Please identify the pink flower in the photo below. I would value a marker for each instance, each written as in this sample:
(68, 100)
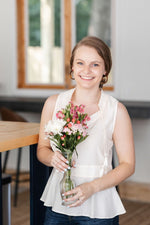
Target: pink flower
(77, 108)
(84, 133)
(75, 115)
(88, 118)
(77, 127)
(60, 115)
(71, 111)
(81, 108)
(68, 119)
(69, 125)
(67, 130)
(73, 120)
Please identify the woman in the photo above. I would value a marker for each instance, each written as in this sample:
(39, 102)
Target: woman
(95, 198)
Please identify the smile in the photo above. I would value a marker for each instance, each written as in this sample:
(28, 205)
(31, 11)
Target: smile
(87, 77)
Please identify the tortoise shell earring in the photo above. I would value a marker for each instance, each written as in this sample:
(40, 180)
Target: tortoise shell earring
(72, 75)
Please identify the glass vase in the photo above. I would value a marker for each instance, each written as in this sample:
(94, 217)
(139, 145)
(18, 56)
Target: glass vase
(67, 183)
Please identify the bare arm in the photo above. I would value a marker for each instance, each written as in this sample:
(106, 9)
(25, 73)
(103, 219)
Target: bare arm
(44, 150)
(123, 140)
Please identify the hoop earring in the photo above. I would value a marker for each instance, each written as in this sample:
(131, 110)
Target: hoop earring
(104, 78)
(72, 75)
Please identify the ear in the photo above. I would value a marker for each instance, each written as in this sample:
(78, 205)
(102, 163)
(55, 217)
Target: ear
(105, 72)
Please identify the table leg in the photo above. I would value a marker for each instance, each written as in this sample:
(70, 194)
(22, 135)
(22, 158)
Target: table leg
(38, 178)
(1, 214)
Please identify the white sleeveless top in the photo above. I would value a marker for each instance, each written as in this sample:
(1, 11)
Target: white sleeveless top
(93, 161)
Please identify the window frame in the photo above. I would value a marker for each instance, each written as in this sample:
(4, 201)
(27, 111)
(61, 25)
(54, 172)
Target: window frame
(21, 49)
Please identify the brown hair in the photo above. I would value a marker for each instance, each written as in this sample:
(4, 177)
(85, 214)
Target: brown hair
(101, 48)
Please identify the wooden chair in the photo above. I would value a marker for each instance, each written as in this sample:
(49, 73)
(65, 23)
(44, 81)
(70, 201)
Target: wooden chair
(9, 115)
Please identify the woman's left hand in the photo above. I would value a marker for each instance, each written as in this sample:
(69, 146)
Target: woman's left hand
(80, 194)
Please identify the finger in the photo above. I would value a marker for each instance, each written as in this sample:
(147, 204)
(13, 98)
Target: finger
(71, 192)
(71, 198)
(58, 163)
(61, 157)
(62, 167)
(77, 203)
(74, 164)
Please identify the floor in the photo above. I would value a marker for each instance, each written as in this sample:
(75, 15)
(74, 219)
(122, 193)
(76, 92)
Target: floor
(138, 213)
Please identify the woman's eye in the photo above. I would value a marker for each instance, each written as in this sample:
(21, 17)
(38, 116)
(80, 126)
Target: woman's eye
(79, 63)
(95, 64)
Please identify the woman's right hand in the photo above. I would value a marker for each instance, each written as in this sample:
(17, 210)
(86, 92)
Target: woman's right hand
(59, 162)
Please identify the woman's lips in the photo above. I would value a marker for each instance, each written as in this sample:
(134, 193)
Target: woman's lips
(86, 77)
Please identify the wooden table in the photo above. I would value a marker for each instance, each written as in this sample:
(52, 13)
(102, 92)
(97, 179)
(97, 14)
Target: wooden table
(19, 134)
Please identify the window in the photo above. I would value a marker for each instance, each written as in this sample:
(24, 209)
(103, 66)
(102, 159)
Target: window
(47, 30)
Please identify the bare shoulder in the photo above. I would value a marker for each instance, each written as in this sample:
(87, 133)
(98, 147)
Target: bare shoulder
(51, 100)
(49, 106)
(122, 111)
(122, 118)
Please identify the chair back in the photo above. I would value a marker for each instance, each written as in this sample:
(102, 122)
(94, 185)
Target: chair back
(9, 115)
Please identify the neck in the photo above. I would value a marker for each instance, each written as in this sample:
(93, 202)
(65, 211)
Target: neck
(85, 96)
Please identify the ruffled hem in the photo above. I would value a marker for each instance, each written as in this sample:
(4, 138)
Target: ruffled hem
(104, 204)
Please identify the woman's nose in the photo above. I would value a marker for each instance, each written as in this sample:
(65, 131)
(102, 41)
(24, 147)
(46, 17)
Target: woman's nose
(87, 69)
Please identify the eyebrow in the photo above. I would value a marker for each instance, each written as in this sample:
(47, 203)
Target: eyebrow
(91, 62)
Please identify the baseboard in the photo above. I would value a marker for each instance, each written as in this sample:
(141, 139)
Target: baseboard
(135, 191)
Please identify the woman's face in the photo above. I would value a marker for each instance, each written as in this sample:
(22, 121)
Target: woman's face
(88, 67)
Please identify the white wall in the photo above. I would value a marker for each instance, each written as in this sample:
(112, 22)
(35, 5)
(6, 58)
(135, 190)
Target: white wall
(142, 149)
(133, 49)
(141, 130)
(7, 26)
(131, 52)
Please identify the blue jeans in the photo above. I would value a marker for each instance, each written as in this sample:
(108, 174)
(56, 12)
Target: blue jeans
(53, 218)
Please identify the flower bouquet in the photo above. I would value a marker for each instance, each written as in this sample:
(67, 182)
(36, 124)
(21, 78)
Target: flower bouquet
(66, 132)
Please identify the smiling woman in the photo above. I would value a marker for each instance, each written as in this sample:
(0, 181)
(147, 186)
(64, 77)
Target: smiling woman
(93, 175)
(46, 32)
